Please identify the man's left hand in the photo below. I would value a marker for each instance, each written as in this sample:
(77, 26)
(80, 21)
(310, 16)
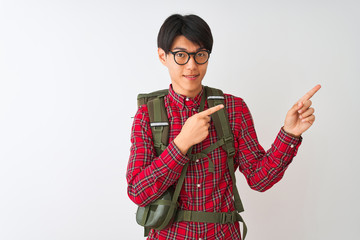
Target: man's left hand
(301, 116)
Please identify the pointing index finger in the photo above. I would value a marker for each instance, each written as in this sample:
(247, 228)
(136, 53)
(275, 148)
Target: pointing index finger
(212, 110)
(310, 93)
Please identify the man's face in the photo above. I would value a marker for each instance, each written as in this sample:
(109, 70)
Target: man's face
(186, 79)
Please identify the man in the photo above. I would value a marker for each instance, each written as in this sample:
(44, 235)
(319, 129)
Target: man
(184, 47)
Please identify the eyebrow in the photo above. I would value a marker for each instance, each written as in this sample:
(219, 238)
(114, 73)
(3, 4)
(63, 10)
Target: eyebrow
(184, 49)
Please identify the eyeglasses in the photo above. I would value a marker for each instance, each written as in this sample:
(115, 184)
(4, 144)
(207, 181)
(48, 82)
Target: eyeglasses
(182, 57)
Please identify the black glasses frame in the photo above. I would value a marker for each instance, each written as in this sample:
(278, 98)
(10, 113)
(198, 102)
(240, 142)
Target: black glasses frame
(189, 55)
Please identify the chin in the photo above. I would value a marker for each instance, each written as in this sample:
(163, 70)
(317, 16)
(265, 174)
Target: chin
(193, 88)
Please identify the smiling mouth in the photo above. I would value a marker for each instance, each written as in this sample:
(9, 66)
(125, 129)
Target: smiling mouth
(191, 77)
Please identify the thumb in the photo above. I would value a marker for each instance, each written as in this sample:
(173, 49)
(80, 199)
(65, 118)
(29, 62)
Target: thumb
(296, 107)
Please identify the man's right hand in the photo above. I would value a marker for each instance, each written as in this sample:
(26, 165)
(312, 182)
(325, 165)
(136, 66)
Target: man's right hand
(195, 129)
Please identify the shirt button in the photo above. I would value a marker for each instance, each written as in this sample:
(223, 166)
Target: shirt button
(292, 146)
(187, 99)
(197, 160)
(198, 185)
(200, 239)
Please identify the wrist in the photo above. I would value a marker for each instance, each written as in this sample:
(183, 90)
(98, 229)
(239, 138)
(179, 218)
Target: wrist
(181, 144)
(296, 135)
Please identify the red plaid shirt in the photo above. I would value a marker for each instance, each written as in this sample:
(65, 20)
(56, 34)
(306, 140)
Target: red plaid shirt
(148, 176)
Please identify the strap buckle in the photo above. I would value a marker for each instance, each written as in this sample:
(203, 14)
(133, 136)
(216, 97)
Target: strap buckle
(228, 139)
(226, 218)
(231, 152)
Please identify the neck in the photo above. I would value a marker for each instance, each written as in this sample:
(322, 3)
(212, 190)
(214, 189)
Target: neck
(187, 93)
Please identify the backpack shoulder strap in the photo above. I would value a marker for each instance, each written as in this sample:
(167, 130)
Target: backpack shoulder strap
(159, 122)
(223, 130)
(221, 122)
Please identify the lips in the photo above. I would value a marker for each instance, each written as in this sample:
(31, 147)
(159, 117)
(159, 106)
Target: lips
(191, 77)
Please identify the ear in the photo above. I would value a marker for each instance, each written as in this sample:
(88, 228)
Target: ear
(162, 56)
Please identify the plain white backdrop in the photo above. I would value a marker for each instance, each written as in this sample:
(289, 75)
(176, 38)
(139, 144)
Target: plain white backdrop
(69, 75)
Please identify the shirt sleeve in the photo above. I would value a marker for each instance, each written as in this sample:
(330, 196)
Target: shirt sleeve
(148, 176)
(263, 169)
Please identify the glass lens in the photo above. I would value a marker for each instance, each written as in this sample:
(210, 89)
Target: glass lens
(201, 57)
(181, 57)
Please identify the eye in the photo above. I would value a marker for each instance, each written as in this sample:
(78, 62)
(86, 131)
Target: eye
(180, 54)
(202, 54)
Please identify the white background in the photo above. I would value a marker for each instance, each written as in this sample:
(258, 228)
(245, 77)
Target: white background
(69, 75)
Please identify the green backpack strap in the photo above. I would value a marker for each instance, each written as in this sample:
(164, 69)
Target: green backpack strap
(159, 122)
(223, 130)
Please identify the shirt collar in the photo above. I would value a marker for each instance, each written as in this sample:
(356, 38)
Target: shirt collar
(182, 101)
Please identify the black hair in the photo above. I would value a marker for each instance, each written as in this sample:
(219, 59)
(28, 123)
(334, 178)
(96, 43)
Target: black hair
(191, 26)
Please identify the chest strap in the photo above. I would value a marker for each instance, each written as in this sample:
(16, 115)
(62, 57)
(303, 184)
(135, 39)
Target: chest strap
(208, 217)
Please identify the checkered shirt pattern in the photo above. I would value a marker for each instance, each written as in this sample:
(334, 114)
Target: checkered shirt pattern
(148, 176)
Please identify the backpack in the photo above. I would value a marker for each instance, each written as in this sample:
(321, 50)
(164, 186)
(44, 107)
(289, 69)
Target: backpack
(162, 212)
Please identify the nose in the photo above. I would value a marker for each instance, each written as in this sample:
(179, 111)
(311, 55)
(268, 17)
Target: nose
(191, 64)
